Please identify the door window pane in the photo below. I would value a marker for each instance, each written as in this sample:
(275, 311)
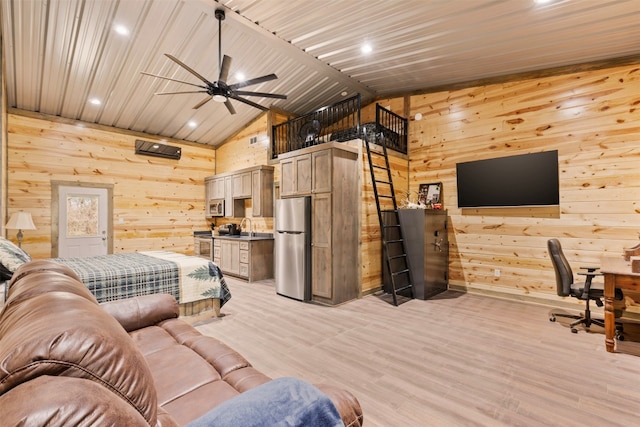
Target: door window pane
(82, 216)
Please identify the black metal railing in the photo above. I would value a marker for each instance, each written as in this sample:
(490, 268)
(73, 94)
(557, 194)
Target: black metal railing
(315, 128)
(339, 122)
(393, 128)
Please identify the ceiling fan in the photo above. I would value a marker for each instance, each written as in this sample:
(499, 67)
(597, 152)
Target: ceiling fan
(219, 90)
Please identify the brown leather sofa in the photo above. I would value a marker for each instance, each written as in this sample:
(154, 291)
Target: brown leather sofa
(66, 360)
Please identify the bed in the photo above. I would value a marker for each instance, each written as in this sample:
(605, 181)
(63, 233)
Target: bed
(196, 283)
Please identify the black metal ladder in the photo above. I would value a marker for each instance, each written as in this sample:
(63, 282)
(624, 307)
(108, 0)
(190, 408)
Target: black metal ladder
(393, 245)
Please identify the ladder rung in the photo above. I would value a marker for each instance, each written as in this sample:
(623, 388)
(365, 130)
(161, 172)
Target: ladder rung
(403, 288)
(395, 241)
(381, 167)
(398, 256)
(397, 273)
(392, 225)
(385, 196)
(383, 182)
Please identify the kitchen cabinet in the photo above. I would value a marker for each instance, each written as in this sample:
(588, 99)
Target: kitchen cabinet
(321, 177)
(295, 176)
(229, 260)
(214, 190)
(250, 259)
(242, 185)
(255, 183)
(232, 207)
(331, 177)
(321, 245)
(262, 192)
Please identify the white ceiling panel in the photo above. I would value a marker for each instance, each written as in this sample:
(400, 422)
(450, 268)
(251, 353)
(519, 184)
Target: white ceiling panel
(60, 54)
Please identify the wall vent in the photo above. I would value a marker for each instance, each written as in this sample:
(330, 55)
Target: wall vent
(157, 150)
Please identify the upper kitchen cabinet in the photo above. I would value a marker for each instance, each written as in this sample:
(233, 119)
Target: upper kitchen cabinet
(214, 194)
(242, 185)
(255, 183)
(305, 174)
(262, 192)
(295, 174)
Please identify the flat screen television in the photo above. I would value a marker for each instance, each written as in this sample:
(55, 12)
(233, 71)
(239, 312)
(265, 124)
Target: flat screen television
(522, 180)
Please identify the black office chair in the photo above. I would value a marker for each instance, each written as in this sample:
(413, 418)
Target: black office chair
(587, 291)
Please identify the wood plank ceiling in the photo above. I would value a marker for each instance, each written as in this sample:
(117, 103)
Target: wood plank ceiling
(61, 54)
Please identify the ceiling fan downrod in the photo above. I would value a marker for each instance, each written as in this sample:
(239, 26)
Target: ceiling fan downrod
(219, 14)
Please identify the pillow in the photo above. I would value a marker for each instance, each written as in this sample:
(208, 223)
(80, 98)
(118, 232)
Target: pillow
(11, 257)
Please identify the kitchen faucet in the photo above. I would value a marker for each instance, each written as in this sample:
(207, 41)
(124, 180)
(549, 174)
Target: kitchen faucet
(250, 225)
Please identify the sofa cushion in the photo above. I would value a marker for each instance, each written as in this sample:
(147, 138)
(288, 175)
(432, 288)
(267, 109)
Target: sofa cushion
(209, 372)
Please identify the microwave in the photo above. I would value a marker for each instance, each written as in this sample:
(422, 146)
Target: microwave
(216, 207)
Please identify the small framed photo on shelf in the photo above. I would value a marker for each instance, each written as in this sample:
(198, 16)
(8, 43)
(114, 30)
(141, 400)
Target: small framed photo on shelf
(430, 195)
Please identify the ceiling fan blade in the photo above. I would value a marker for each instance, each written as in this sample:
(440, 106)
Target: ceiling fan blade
(201, 103)
(253, 81)
(224, 69)
(229, 106)
(181, 92)
(253, 104)
(173, 80)
(186, 67)
(262, 94)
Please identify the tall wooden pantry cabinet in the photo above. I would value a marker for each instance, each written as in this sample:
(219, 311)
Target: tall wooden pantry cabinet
(329, 174)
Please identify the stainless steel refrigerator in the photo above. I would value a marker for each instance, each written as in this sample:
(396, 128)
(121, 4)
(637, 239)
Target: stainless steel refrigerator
(293, 248)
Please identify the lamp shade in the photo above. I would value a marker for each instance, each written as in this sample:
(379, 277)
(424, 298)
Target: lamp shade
(21, 221)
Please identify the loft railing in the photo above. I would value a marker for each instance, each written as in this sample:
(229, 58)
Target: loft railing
(339, 122)
(393, 128)
(317, 127)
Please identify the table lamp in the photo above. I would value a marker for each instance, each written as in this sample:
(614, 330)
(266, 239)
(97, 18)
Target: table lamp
(20, 221)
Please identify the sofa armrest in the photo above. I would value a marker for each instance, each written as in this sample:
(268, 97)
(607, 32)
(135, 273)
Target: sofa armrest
(346, 403)
(140, 312)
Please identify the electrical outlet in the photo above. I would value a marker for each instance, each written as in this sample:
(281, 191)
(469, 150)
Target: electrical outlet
(496, 272)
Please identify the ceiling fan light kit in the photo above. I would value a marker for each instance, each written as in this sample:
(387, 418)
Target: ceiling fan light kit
(219, 91)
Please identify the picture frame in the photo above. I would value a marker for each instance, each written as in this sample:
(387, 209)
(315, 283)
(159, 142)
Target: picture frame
(430, 194)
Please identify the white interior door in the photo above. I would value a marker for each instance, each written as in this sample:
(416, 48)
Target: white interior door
(83, 222)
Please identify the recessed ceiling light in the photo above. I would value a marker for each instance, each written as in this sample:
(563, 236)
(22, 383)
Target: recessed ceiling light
(192, 124)
(121, 29)
(366, 48)
(344, 93)
(240, 77)
(95, 101)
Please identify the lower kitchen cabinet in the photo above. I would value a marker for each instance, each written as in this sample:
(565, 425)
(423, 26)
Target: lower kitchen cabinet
(248, 259)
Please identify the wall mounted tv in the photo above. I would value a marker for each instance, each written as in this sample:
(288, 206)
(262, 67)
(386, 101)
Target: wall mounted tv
(523, 180)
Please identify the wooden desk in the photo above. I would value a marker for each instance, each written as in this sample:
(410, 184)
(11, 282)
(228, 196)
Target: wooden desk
(617, 274)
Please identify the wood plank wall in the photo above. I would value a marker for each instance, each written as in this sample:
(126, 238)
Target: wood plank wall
(158, 203)
(593, 120)
(590, 117)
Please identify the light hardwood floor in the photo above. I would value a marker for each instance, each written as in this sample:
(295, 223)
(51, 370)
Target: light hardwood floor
(455, 360)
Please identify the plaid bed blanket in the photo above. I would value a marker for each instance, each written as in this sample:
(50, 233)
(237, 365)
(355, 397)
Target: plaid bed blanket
(119, 276)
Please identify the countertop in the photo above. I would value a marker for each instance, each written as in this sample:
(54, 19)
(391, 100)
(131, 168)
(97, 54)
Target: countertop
(245, 236)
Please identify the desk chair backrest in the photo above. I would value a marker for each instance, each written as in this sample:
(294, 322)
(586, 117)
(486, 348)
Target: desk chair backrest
(564, 275)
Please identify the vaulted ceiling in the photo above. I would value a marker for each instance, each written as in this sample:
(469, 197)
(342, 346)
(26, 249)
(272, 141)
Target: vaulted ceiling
(82, 59)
